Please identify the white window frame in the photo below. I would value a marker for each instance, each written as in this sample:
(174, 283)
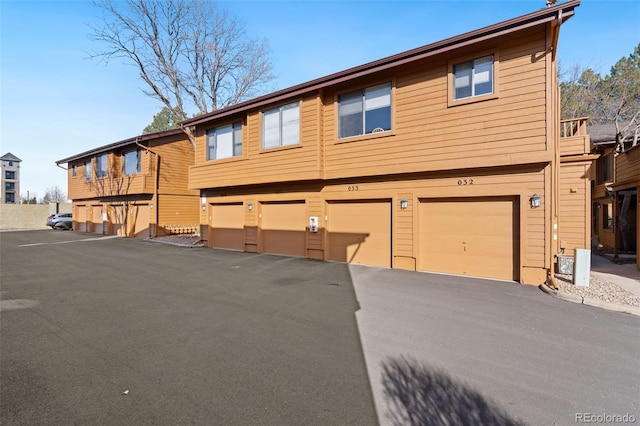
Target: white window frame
(473, 73)
(363, 101)
(101, 166)
(224, 142)
(125, 170)
(87, 171)
(281, 126)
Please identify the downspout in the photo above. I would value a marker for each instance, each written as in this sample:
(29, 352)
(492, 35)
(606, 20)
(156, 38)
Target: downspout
(156, 183)
(555, 180)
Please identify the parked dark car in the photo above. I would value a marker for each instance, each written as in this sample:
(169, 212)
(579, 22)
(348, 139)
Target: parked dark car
(60, 221)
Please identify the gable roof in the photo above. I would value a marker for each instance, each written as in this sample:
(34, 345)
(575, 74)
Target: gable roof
(9, 157)
(561, 12)
(120, 144)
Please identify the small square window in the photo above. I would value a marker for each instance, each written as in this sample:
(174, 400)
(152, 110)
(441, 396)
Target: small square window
(224, 142)
(473, 78)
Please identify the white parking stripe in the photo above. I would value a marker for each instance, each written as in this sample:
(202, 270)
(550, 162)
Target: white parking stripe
(74, 241)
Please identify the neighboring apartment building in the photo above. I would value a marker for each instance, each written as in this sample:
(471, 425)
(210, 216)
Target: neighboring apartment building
(616, 181)
(136, 187)
(446, 158)
(10, 179)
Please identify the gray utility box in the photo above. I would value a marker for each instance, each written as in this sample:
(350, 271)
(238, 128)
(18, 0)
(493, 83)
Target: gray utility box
(582, 268)
(564, 264)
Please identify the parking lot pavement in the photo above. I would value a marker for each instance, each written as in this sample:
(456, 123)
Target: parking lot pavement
(449, 350)
(122, 331)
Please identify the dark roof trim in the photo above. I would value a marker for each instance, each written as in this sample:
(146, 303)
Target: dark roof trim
(122, 143)
(562, 11)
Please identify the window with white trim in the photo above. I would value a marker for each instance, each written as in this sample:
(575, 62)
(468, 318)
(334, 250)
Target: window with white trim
(281, 126)
(365, 111)
(101, 166)
(224, 142)
(131, 164)
(87, 171)
(473, 78)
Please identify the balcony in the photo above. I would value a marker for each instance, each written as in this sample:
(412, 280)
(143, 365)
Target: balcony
(574, 139)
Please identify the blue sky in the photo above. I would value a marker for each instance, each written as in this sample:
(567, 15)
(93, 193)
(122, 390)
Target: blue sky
(55, 103)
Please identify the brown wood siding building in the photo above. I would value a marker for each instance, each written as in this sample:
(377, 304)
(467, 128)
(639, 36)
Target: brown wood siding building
(616, 180)
(445, 183)
(627, 188)
(146, 197)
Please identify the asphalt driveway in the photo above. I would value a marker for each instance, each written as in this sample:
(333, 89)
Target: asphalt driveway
(99, 330)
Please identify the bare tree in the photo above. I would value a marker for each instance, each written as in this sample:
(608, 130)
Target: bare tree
(54, 195)
(614, 98)
(191, 54)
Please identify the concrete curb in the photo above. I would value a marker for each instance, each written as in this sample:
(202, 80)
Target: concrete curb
(590, 301)
(153, 240)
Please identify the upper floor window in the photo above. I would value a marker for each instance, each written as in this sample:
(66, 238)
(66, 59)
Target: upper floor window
(10, 186)
(131, 164)
(365, 111)
(604, 169)
(101, 165)
(73, 170)
(473, 78)
(87, 171)
(224, 142)
(281, 126)
(9, 175)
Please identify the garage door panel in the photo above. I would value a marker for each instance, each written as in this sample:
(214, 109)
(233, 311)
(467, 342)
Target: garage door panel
(476, 237)
(284, 228)
(97, 219)
(119, 220)
(227, 226)
(81, 219)
(360, 232)
(140, 216)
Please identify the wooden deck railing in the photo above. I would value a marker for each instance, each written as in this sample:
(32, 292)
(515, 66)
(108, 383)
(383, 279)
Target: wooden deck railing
(573, 127)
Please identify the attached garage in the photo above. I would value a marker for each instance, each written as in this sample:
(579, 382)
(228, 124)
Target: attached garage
(81, 218)
(96, 219)
(118, 219)
(359, 231)
(470, 236)
(227, 226)
(139, 218)
(284, 228)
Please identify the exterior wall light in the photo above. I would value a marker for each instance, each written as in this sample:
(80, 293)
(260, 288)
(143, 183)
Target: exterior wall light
(404, 203)
(535, 201)
(249, 206)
